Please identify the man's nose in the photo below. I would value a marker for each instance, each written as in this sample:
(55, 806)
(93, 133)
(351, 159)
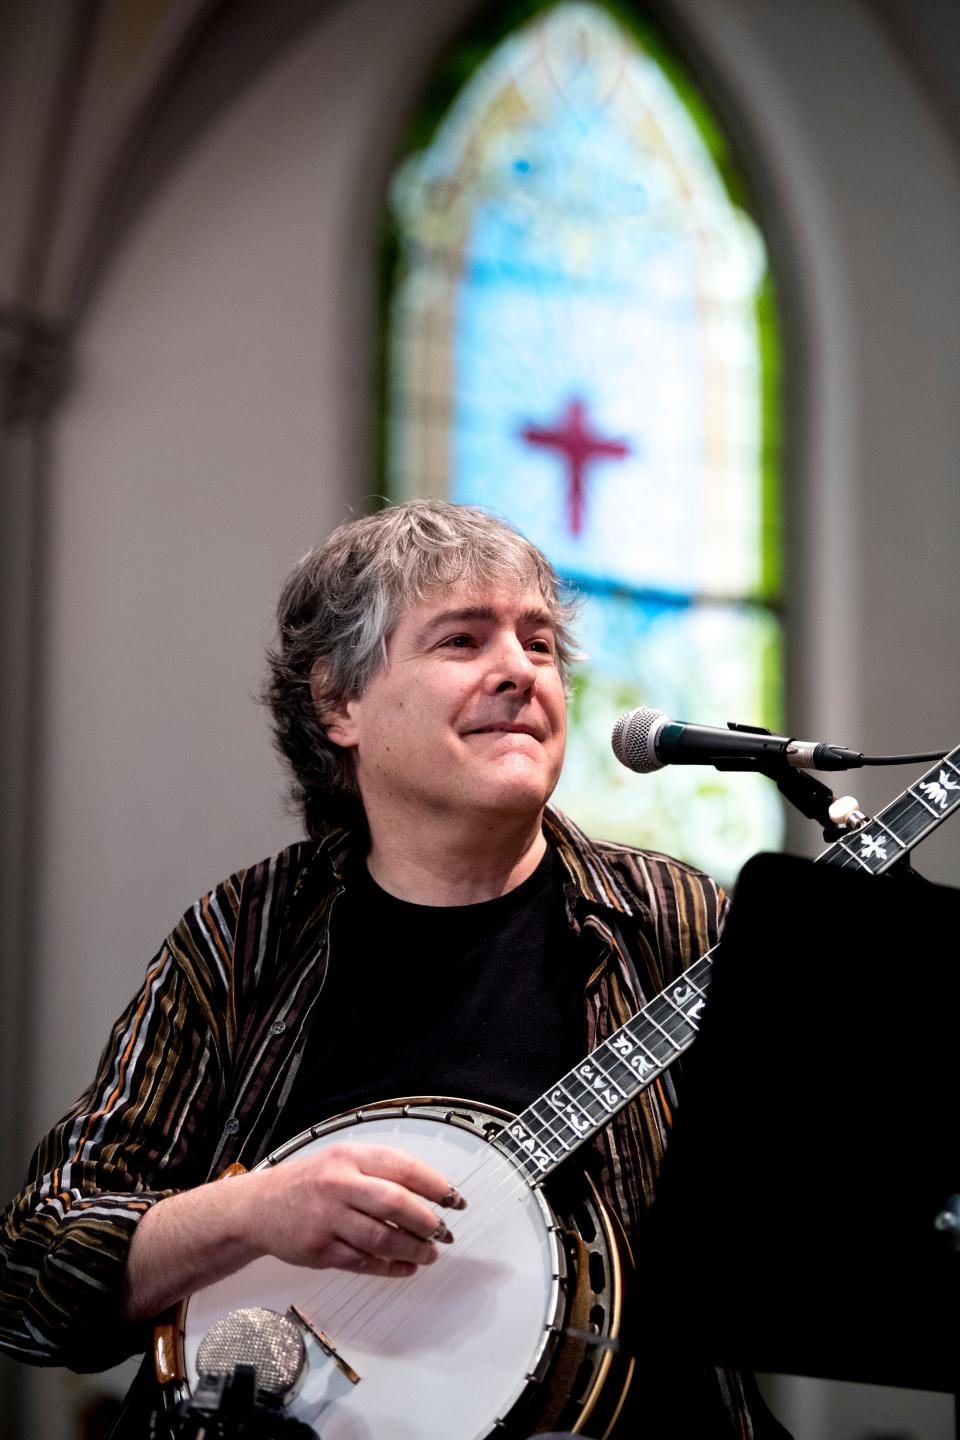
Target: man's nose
(511, 667)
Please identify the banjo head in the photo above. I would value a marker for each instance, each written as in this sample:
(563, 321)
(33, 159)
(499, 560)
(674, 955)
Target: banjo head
(461, 1349)
(465, 1347)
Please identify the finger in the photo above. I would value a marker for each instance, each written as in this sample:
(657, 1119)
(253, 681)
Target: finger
(407, 1170)
(385, 1242)
(385, 1200)
(343, 1256)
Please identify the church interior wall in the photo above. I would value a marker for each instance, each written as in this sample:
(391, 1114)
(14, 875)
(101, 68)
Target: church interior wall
(219, 421)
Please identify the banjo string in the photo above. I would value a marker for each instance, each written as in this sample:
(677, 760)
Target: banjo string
(507, 1184)
(371, 1287)
(395, 1296)
(508, 1180)
(485, 1161)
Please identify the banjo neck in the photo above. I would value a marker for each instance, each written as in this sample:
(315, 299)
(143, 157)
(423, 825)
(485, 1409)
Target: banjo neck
(581, 1102)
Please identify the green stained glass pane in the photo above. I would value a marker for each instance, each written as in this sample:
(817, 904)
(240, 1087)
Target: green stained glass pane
(702, 663)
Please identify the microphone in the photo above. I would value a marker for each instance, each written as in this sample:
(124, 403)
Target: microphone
(646, 740)
(250, 1365)
(265, 1339)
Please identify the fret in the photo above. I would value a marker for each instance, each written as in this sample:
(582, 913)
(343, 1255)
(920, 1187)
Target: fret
(534, 1157)
(700, 971)
(656, 1044)
(601, 1084)
(662, 1017)
(836, 855)
(873, 855)
(688, 1000)
(650, 1036)
(890, 831)
(907, 817)
(941, 790)
(615, 1065)
(683, 1028)
(586, 1098)
(549, 1124)
(948, 761)
(689, 978)
(543, 1134)
(871, 849)
(644, 1064)
(633, 1059)
(572, 1114)
(920, 800)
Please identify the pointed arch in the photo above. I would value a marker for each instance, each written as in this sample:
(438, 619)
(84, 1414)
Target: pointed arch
(581, 335)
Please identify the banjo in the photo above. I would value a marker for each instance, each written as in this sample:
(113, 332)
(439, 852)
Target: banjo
(516, 1329)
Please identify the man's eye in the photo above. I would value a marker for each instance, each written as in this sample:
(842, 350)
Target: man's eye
(459, 642)
(542, 647)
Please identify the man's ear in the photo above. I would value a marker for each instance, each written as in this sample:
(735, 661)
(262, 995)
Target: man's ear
(339, 721)
(341, 726)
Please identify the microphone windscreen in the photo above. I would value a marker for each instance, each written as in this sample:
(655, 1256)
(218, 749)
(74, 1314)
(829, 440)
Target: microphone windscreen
(268, 1341)
(633, 739)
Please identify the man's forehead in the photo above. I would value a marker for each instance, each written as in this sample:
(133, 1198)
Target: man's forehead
(520, 607)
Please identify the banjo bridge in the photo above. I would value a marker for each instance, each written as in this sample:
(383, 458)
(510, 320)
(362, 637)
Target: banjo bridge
(325, 1343)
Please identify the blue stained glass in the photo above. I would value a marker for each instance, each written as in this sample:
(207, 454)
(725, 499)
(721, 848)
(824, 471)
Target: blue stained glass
(520, 362)
(575, 345)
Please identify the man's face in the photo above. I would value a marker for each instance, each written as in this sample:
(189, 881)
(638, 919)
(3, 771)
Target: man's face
(467, 715)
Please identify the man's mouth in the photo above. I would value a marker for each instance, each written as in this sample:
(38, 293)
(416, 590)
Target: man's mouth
(505, 729)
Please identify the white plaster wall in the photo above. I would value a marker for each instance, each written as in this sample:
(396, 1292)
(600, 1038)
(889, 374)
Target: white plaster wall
(865, 182)
(220, 423)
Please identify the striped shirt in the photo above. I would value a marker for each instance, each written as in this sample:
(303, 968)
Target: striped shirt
(196, 1071)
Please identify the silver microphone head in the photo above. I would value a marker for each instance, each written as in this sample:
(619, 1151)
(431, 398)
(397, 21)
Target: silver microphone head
(634, 739)
(268, 1341)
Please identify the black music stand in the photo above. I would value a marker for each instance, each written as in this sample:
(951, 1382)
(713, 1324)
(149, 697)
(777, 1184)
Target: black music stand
(814, 1172)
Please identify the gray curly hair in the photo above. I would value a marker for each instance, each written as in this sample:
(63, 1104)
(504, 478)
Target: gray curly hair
(343, 601)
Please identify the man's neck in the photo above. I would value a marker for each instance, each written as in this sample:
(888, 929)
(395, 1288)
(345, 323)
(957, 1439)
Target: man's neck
(456, 865)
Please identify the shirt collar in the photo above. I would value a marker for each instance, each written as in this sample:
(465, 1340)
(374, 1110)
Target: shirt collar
(588, 876)
(328, 854)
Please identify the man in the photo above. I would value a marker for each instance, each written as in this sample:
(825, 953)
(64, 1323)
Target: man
(475, 939)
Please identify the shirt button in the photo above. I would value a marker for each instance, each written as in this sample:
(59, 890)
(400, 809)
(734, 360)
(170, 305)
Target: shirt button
(232, 1126)
(278, 1027)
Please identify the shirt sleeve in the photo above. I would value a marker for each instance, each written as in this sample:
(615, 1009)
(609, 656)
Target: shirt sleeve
(139, 1133)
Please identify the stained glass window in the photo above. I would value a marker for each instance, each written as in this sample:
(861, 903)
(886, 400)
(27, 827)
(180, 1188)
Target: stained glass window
(580, 336)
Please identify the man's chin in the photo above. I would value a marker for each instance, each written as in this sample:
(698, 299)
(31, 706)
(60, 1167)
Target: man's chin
(516, 790)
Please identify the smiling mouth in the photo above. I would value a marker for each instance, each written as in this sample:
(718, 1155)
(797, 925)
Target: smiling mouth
(505, 730)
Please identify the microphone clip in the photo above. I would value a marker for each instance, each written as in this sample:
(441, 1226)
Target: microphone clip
(229, 1407)
(811, 797)
(767, 766)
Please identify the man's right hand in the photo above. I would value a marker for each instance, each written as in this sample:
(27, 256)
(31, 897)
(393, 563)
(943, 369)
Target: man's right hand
(350, 1207)
(356, 1207)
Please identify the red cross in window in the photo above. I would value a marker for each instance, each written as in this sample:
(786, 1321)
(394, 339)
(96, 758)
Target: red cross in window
(575, 440)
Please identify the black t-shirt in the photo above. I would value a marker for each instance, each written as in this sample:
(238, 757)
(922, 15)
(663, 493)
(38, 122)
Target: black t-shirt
(480, 1002)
